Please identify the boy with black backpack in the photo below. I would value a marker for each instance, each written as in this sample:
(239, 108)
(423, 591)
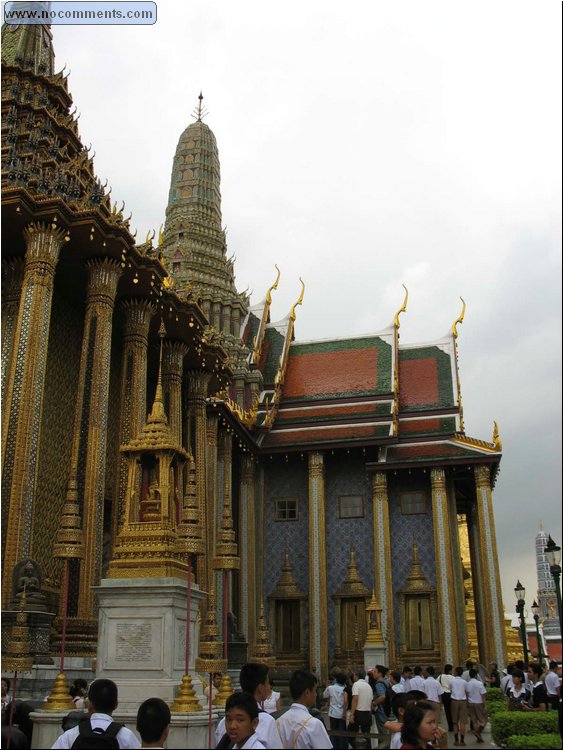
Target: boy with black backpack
(97, 729)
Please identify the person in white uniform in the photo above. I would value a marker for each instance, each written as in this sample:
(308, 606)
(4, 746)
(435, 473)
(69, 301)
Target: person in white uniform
(254, 678)
(102, 702)
(297, 728)
(241, 721)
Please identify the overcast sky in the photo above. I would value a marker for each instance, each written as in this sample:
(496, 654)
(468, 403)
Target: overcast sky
(364, 145)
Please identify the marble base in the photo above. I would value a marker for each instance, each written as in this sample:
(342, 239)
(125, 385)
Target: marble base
(186, 730)
(375, 654)
(142, 634)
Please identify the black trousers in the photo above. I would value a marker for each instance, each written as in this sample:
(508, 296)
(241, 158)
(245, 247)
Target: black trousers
(362, 723)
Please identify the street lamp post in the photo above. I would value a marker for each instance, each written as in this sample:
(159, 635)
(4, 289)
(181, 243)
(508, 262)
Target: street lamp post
(520, 593)
(536, 611)
(553, 555)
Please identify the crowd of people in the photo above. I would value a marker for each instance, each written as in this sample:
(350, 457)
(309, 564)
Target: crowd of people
(402, 708)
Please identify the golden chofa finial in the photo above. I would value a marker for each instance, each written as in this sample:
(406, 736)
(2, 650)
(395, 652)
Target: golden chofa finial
(148, 238)
(402, 309)
(274, 286)
(299, 301)
(497, 442)
(160, 236)
(460, 319)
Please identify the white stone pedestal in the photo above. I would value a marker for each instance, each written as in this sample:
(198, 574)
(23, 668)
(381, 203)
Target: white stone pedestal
(142, 636)
(375, 653)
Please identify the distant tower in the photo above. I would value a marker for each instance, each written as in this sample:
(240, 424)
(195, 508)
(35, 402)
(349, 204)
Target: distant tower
(546, 587)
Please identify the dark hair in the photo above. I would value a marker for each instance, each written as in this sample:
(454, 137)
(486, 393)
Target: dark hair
(535, 667)
(18, 740)
(416, 695)
(7, 681)
(510, 669)
(301, 681)
(340, 678)
(412, 719)
(406, 669)
(459, 671)
(399, 700)
(244, 701)
(519, 664)
(472, 673)
(216, 674)
(448, 668)
(468, 664)
(251, 675)
(153, 717)
(553, 665)
(381, 669)
(77, 686)
(360, 672)
(518, 673)
(396, 675)
(430, 671)
(417, 670)
(103, 694)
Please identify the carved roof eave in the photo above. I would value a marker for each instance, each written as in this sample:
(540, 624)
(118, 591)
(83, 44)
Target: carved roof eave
(47, 206)
(56, 81)
(141, 445)
(242, 432)
(349, 590)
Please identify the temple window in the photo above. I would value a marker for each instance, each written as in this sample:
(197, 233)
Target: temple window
(413, 503)
(286, 509)
(351, 506)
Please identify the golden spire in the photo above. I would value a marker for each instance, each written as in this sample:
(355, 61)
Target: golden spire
(373, 612)
(157, 412)
(160, 236)
(18, 657)
(497, 442)
(299, 301)
(210, 647)
(402, 309)
(262, 650)
(460, 319)
(352, 584)
(274, 286)
(190, 529)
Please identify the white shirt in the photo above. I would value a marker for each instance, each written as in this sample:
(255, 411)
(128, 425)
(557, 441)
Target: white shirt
(269, 705)
(363, 690)
(417, 683)
(445, 681)
(396, 741)
(406, 683)
(475, 689)
(433, 689)
(298, 729)
(552, 684)
(458, 689)
(266, 731)
(251, 742)
(399, 687)
(125, 737)
(506, 683)
(335, 693)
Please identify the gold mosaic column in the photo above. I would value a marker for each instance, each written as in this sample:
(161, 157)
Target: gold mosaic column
(213, 518)
(172, 368)
(21, 417)
(197, 393)
(318, 598)
(444, 568)
(382, 558)
(247, 550)
(103, 275)
(137, 314)
(12, 279)
(494, 641)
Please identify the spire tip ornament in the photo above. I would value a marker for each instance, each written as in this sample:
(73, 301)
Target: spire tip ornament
(402, 309)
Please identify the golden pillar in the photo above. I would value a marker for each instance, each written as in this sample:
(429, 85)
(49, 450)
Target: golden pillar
(198, 382)
(382, 559)
(137, 314)
(24, 386)
(318, 597)
(172, 369)
(12, 279)
(213, 519)
(248, 549)
(444, 568)
(491, 637)
(103, 275)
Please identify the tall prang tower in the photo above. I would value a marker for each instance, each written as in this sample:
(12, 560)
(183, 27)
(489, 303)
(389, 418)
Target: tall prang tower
(195, 248)
(546, 588)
